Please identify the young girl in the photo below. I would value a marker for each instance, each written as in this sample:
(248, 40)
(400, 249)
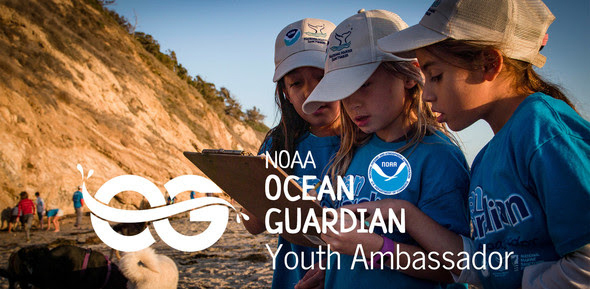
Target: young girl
(391, 146)
(26, 209)
(299, 60)
(530, 185)
(53, 218)
(40, 209)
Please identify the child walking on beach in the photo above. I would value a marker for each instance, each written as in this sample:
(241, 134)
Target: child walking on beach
(26, 210)
(40, 209)
(53, 218)
(530, 185)
(391, 146)
(299, 60)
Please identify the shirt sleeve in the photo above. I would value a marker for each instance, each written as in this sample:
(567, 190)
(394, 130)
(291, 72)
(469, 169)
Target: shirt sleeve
(560, 176)
(571, 271)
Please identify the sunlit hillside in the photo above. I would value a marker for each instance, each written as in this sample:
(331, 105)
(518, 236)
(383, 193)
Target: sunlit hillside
(76, 87)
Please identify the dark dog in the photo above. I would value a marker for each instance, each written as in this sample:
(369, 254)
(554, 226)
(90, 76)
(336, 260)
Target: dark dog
(62, 267)
(6, 214)
(21, 265)
(130, 229)
(127, 229)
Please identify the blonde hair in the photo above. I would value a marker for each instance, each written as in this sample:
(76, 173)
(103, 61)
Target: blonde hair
(416, 114)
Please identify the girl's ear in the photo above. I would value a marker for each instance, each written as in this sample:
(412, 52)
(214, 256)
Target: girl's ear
(493, 64)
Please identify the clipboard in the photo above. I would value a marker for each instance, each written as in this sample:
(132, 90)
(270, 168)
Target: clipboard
(243, 177)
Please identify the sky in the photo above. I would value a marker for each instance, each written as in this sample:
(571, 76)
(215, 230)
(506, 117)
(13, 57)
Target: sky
(231, 44)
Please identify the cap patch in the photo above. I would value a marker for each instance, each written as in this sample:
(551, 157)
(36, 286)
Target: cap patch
(343, 41)
(318, 30)
(292, 36)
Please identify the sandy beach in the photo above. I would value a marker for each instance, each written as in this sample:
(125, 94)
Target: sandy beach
(237, 260)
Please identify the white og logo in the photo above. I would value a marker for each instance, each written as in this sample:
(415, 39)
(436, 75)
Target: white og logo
(207, 209)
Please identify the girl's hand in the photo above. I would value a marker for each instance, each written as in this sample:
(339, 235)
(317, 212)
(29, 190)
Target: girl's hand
(348, 242)
(313, 193)
(314, 278)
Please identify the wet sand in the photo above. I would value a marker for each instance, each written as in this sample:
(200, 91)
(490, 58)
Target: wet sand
(237, 260)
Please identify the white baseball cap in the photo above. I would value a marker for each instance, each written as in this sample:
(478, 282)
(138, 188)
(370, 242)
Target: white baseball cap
(353, 55)
(517, 26)
(302, 43)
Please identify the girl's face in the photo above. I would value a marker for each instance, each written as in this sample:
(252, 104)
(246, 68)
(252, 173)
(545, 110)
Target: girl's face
(299, 83)
(378, 105)
(458, 95)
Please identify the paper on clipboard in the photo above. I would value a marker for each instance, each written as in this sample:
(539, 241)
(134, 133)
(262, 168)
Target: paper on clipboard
(244, 177)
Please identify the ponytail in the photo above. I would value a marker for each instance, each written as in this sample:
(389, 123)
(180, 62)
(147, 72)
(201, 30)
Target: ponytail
(527, 79)
(469, 55)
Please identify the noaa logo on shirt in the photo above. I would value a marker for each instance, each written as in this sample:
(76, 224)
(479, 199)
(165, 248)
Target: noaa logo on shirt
(390, 173)
(292, 36)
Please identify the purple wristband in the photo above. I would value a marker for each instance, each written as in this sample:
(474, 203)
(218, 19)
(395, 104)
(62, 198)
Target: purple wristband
(388, 246)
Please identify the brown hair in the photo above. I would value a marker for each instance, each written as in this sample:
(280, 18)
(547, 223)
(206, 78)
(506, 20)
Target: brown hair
(416, 113)
(24, 195)
(470, 55)
(291, 127)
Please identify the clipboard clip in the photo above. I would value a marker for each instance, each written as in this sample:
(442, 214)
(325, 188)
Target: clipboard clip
(224, 152)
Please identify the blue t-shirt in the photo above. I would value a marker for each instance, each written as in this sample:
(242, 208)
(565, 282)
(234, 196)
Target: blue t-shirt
(77, 198)
(433, 175)
(40, 205)
(530, 189)
(322, 150)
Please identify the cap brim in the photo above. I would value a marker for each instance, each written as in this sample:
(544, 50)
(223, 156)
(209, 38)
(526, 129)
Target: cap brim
(404, 42)
(339, 84)
(313, 58)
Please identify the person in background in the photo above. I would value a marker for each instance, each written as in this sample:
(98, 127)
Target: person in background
(78, 200)
(26, 210)
(40, 209)
(53, 217)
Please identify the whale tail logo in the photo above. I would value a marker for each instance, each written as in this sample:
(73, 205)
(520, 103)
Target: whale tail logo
(317, 28)
(342, 38)
(342, 41)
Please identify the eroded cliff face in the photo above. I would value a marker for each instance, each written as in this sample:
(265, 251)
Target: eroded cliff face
(76, 88)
